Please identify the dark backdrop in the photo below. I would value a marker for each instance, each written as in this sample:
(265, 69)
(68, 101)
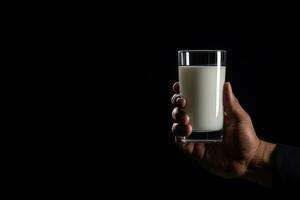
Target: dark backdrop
(108, 83)
(128, 85)
(126, 69)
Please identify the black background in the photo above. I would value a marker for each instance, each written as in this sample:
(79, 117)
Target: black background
(113, 84)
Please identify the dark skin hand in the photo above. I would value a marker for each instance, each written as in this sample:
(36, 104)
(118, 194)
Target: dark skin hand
(241, 154)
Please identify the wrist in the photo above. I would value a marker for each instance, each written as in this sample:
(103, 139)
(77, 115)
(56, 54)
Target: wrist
(264, 156)
(260, 166)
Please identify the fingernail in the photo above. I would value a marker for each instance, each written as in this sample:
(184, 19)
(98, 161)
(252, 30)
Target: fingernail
(180, 101)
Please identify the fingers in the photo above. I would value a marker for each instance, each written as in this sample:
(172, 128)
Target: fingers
(232, 106)
(199, 150)
(174, 98)
(180, 116)
(182, 126)
(195, 149)
(178, 101)
(187, 147)
(179, 129)
(176, 87)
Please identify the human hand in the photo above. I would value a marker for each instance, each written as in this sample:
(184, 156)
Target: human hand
(240, 149)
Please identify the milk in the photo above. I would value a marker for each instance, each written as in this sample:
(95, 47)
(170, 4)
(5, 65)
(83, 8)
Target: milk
(203, 88)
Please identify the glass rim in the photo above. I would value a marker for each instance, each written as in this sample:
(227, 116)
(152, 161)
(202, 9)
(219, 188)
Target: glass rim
(183, 51)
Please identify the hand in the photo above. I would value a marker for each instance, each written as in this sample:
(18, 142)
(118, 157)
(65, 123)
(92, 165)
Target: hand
(241, 150)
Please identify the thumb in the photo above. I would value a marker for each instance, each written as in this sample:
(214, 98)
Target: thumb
(231, 105)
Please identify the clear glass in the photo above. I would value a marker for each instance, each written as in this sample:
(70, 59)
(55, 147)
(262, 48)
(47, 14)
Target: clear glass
(201, 81)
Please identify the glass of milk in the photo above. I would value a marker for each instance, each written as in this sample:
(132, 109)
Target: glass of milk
(201, 81)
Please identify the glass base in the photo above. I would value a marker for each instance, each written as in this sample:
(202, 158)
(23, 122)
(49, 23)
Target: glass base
(211, 136)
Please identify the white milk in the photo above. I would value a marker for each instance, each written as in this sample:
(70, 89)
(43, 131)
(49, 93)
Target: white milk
(203, 88)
